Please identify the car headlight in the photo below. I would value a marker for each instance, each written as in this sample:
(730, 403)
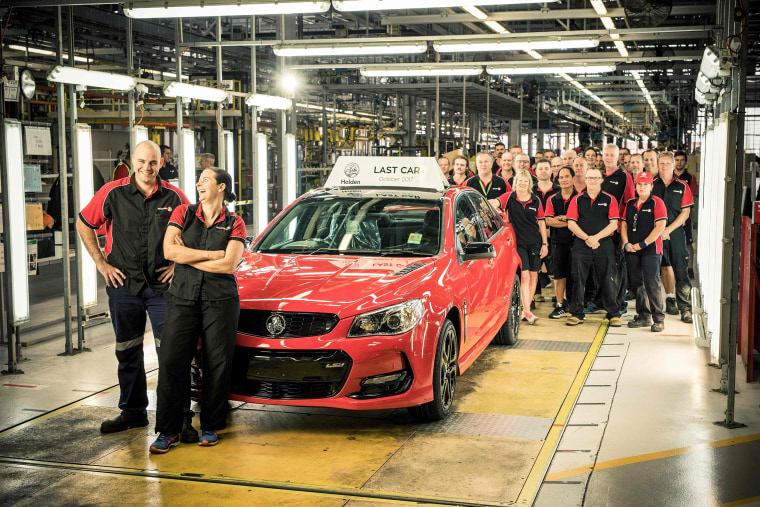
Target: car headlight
(392, 320)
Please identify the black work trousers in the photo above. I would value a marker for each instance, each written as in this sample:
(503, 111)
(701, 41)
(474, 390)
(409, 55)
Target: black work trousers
(215, 323)
(678, 255)
(619, 272)
(644, 273)
(603, 261)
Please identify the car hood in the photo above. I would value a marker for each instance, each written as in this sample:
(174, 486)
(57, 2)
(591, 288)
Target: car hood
(342, 285)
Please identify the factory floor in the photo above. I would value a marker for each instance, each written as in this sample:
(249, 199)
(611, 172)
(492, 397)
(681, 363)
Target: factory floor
(588, 415)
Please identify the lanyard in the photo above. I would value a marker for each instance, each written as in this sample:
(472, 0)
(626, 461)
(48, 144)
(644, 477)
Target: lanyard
(485, 189)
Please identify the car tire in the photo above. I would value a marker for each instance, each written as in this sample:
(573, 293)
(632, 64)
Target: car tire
(507, 335)
(444, 376)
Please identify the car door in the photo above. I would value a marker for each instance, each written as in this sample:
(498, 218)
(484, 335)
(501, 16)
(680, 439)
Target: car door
(479, 274)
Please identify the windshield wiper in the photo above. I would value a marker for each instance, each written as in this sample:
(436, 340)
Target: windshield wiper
(404, 253)
(341, 252)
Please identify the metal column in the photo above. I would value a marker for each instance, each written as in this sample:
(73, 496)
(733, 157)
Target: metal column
(178, 103)
(220, 143)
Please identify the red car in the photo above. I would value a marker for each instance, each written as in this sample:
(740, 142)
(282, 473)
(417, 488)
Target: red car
(375, 292)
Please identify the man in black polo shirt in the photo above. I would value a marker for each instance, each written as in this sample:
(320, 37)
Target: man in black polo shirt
(168, 171)
(135, 211)
(593, 218)
(498, 149)
(675, 258)
(487, 183)
(683, 174)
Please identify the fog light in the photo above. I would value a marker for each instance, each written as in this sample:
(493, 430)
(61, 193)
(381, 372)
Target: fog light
(383, 379)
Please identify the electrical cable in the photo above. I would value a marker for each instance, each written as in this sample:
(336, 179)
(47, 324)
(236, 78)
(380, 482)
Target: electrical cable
(6, 25)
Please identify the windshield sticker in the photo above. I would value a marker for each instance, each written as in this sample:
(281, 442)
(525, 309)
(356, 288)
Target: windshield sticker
(415, 238)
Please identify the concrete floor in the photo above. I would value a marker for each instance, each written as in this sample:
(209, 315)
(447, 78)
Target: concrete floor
(568, 416)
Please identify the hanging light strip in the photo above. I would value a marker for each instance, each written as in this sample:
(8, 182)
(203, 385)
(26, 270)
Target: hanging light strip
(576, 69)
(206, 9)
(429, 71)
(93, 78)
(385, 5)
(507, 45)
(358, 49)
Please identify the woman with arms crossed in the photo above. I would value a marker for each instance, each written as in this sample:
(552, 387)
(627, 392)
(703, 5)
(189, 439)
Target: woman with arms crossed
(206, 242)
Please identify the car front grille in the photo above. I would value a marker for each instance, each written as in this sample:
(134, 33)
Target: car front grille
(289, 374)
(297, 324)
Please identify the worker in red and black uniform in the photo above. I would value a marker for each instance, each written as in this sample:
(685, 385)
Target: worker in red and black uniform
(619, 184)
(135, 211)
(543, 189)
(498, 149)
(487, 183)
(561, 240)
(683, 174)
(206, 242)
(593, 219)
(526, 214)
(461, 172)
(675, 258)
(643, 221)
(522, 163)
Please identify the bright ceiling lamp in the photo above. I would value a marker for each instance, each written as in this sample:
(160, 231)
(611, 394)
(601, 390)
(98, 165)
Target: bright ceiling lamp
(420, 71)
(475, 11)
(620, 45)
(487, 46)
(74, 76)
(599, 7)
(268, 101)
(177, 89)
(363, 48)
(535, 54)
(577, 69)
(385, 5)
(608, 23)
(495, 26)
(47, 52)
(207, 9)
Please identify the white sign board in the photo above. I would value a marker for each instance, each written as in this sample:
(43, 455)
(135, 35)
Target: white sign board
(411, 173)
(11, 89)
(37, 141)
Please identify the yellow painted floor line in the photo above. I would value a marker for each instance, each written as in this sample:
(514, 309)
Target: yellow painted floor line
(741, 502)
(353, 493)
(65, 408)
(535, 478)
(651, 456)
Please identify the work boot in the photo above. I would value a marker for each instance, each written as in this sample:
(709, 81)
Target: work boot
(573, 321)
(121, 423)
(657, 327)
(615, 322)
(686, 316)
(640, 321)
(670, 306)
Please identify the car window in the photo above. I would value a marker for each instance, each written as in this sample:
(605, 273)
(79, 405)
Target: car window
(328, 224)
(488, 218)
(467, 225)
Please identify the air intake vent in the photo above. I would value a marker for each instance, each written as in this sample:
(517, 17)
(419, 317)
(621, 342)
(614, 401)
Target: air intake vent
(409, 269)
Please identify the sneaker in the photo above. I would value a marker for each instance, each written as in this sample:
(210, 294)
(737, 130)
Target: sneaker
(686, 316)
(615, 322)
(121, 423)
(640, 322)
(532, 319)
(657, 327)
(670, 306)
(188, 435)
(163, 443)
(573, 321)
(208, 438)
(591, 308)
(538, 298)
(558, 313)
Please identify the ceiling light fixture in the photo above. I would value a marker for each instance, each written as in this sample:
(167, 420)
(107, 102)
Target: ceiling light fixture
(420, 71)
(475, 11)
(578, 69)
(620, 45)
(607, 22)
(47, 52)
(95, 79)
(599, 7)
(495, 26)
(384, 5)
(177, 89)
(359, 48)
(268, 101)
(472, 47)
(535, 54)
(205, 9)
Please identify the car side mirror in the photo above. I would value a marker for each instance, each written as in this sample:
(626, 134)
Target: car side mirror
(248, 241)
(475, 251)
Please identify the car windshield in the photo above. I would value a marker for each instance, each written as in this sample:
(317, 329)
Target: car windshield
(334, 225)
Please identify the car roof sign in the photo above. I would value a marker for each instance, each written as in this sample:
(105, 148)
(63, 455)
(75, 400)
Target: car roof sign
(407, 173)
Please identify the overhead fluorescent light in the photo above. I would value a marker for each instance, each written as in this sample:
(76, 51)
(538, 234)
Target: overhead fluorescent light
(229, 160)
(620, 45)
(384, 5)
(495, 26)
(475, 11)
(231, 9)
(268, 101)
(85, 191)
(599, 7)
(260, 187)
(535, 54)
(289, 172)
(15, 238)
(607, 22)
(187, 171)
(576, 69)
(96, 79)
(177, 89)
(46, 52)
(502, 45)
(420, 71)
(363, 48)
